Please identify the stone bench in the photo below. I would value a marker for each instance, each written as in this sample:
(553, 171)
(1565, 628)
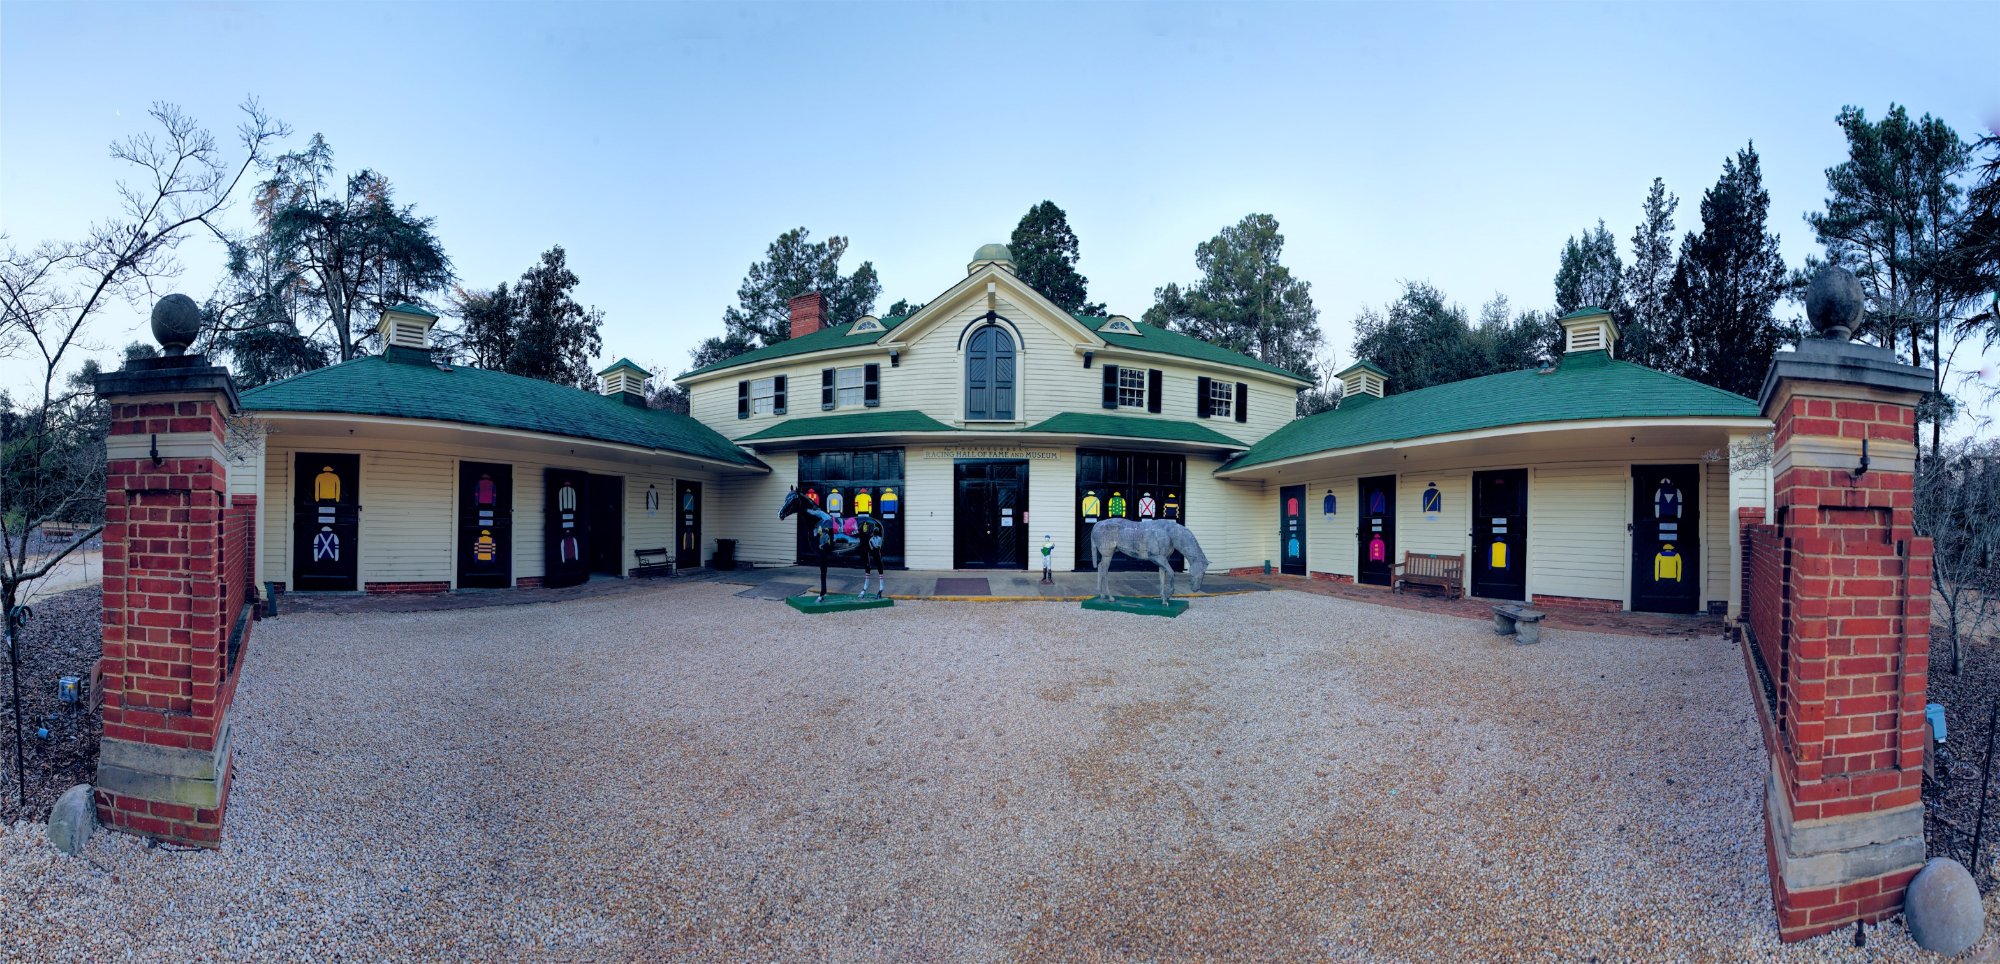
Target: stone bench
(1520, 622)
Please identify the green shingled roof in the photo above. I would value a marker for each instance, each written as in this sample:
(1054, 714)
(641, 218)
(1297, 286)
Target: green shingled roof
(626, 363)
(375, 386)
(1132, 426)
(832, 336)
(1585, 385)
(854, 423)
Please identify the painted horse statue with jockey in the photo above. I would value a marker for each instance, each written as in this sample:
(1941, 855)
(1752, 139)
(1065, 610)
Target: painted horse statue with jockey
(1153, 540)
(860, 535)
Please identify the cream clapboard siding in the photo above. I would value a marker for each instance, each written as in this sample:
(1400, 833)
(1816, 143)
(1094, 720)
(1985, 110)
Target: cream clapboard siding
(1577, 544)
(746, 509)
(1235, 522)
(1715, 528)
(409, 498)
(1050, 379)
(1331, 546)
(1448, 532)
(1748, 488)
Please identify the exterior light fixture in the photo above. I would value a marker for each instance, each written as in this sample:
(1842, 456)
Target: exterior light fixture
(1087, 356)
(1862, 469)
(895, 357)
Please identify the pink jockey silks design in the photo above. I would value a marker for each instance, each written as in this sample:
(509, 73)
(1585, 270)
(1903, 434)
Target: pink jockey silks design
(1378, 551)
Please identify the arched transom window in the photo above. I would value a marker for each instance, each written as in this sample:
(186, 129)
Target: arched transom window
(989, 375)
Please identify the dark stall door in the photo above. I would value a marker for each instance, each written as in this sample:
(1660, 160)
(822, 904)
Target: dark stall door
(687, 526)
(989, 518)
(604, 497)
(1666, 543)
(566, 531)
(326, 522)
(1292, 529)
(1500, 534)
(485, 525)
(1375, 533)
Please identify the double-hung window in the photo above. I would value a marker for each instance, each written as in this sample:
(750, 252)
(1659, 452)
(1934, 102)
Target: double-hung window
(1131, 388)
(1221, 399)
(764, 396)
(849, 386)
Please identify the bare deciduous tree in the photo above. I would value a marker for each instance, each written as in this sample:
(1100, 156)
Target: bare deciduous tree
(1958, 506)
(52, 456)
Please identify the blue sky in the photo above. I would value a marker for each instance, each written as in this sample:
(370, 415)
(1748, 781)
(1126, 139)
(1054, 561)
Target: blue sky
(666, 145)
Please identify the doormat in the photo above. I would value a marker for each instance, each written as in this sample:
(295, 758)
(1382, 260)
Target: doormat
(964, 586)
(813, 602)
(1143, 605)
(774, 590)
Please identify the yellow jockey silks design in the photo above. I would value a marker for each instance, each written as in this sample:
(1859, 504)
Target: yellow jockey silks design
(326, 486)
(1667, 565)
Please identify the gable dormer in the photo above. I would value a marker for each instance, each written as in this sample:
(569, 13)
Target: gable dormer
(1589, 329)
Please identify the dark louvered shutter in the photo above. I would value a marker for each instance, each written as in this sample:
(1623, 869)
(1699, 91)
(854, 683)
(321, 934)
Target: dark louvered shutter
(826, 389)
(1203, 405)
(871, 385)
(1111, 386)
(1242, 402)
(742, 399)
(778, 395)
(1154, 378)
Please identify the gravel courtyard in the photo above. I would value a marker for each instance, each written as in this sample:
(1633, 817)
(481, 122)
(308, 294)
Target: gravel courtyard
(682, 773)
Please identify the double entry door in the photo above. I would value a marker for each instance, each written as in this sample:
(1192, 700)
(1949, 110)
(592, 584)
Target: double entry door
(990, 514)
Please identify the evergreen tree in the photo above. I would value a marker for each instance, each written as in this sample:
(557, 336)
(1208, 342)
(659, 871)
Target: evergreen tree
(1646, 334)
(793, 265)
(1728, 281)
(1045, 254)
(537, 329)
(1246, 300)
(903, 308)
(1894, 214)
(1421, 339)
(1590, 274)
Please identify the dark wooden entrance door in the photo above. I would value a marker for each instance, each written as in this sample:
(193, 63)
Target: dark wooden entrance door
(1292, 530)
(1666, 541)
(326, 522)
(485, 525)
(604, 497)
(566, 528)
(1500, 534)
(687, 526)
(989, 515)
(1376, 534)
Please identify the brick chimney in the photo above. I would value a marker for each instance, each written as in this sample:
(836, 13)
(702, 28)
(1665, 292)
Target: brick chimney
(808, 313)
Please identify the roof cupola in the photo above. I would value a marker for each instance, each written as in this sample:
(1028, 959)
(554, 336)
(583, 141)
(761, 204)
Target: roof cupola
(1588, 329)
(626, 381)
(1362, 378)
(406, 326)
(995, 254)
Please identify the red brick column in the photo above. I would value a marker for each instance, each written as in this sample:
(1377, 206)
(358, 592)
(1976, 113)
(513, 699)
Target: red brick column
(173, 592)
(1842, 581)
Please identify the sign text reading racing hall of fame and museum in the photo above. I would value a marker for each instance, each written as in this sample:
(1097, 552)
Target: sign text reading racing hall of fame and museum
(978, 452)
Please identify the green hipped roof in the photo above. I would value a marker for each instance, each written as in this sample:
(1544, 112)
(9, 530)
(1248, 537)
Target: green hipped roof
(1132, 426)
(832, 336)
(1364, 365)
(854, 423)
(1585, 310)
(410, 308)
(1149, 338)
(626, 363)
(1585, 385)
(375, 386)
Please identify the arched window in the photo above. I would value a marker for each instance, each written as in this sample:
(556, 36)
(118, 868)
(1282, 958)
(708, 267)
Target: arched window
(989, 376)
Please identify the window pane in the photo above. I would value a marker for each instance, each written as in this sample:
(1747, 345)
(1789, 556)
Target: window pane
(763, 396)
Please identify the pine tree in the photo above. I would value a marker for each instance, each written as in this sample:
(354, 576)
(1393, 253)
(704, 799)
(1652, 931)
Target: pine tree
(1045, 253)
(1246, 301)
(1589, 276)
(1646, 336)
(1728, 281)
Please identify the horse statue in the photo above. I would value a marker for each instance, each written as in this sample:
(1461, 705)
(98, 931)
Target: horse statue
(831, 538)
(1153, 540)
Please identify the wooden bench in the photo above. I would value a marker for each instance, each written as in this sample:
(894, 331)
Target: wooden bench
(1432, 571)
(653, 562)
(1518, 621)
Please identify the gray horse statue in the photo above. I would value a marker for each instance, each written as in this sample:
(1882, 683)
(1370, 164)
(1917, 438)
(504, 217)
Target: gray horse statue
(1155, 541)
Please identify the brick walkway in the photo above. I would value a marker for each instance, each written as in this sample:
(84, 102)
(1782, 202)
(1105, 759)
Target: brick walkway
(1621, 623)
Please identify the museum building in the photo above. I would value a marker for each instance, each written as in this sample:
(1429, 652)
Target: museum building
(987, 423)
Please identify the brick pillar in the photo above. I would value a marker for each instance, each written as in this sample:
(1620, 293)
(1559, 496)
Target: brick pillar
(173, 621)
(1843, 809)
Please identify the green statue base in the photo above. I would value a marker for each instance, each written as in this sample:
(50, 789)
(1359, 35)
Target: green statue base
(1143, 605)
(836, 602)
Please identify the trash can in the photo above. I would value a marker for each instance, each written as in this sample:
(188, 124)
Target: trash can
(725, 555)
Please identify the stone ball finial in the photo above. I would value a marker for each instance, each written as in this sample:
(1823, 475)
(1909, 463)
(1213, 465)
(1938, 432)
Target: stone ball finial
(176, 322)
(1834, 303)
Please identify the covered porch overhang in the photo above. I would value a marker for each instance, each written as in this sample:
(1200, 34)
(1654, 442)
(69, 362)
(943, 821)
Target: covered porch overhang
(358, 430)
(1009, 439)
(1539, 442)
